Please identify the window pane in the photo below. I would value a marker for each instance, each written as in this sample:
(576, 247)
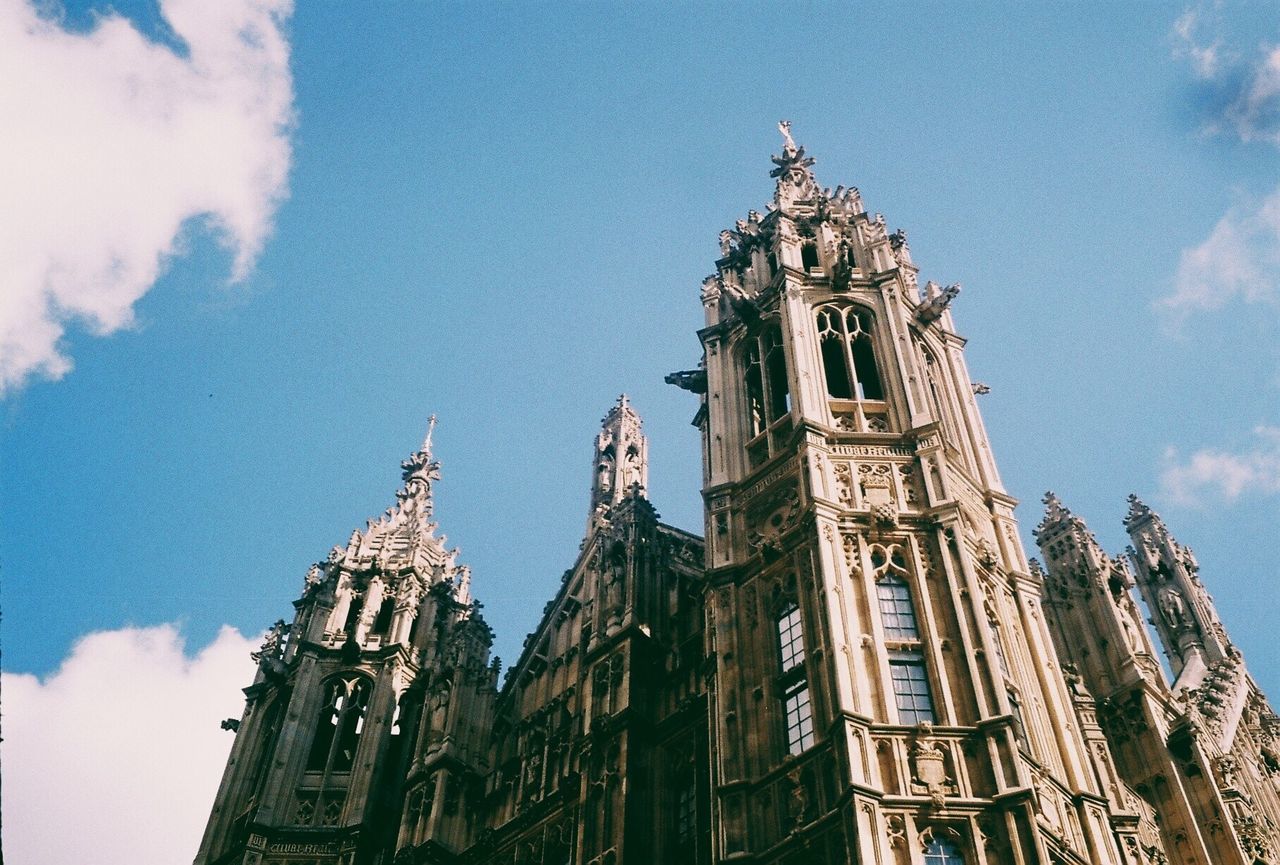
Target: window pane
(896, 612)
(779, 392)
(790, 639)
(911, 690)
(755, 391)
(799, 719)
(864, 364)
(941, 851)
(836, 369)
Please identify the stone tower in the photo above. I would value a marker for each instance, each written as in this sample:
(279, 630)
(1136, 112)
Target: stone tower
(886, 689)
(377, 694)
(858, 666)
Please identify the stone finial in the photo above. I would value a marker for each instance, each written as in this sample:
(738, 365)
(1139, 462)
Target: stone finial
(791, 169)
(1054, 513)
(788, 143)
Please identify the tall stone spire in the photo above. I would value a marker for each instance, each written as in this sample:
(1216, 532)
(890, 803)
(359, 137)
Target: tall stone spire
(621, 460)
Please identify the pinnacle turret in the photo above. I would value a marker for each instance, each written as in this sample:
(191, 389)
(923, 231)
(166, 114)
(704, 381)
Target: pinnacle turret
(621, 462)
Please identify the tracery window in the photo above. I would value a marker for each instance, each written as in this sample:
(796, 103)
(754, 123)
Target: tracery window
(848, 358)
(339, 727)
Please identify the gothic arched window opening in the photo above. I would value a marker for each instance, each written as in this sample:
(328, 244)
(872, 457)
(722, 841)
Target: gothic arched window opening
(338, 729)
(768, 393)
(382, 624)
(809, 256)
(848, 357)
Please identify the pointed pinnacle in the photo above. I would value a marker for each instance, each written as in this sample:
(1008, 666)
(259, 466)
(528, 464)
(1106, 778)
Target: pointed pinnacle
(1137, 511)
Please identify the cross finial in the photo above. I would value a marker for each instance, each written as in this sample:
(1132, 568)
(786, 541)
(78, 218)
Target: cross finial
(784, 126)
(431, 429)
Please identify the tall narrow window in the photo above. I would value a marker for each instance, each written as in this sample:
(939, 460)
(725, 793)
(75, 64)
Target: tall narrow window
(848, 358)
(686, 812)
(755, 389)
(767, 391)
(911, 688)
(790, 639)
(776, 369)
(797, 709)
(809, 255)
(896, 612)
(942, 851)
(909, 678)
(799, 718)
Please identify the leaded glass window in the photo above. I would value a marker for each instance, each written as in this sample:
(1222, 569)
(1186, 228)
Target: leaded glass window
(799, 718)
(911, 688)
(896, 612)
(790, 638)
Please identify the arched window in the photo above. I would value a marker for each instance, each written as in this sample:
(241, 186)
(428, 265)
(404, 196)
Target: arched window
(942, 851)
(848, 358)
(339, 726)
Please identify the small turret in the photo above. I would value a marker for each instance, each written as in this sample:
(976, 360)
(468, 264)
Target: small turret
(1182, 611)
(621, 464)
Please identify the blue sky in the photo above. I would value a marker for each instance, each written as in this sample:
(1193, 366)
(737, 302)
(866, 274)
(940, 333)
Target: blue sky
(501, 214)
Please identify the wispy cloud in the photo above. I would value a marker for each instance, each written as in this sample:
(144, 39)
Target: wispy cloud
(113, 142)
(1238, 96)
(1211, 475)
(122, 743)
(1239, 260)
(1205, 57)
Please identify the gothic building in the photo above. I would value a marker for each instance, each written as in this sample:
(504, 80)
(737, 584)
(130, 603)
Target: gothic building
(857, 664)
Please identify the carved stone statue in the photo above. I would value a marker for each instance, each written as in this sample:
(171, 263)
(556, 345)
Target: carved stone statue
(1174, 608)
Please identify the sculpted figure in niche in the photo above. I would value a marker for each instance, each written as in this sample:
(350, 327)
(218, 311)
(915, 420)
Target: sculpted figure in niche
(631, 473)
(1173, 608)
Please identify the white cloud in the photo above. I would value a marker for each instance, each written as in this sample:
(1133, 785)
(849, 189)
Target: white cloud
(1240, 259)
(1254, 114)
(115, 758)
(1205, 59)
(1210, 474)
(111, 143)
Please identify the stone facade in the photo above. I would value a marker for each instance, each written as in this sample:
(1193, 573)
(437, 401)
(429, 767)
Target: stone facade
(858, 665)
